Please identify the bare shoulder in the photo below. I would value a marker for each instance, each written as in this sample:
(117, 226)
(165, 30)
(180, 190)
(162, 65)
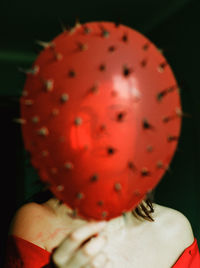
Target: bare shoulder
(174, 224)
(164, 240)
(29, 221)
(44, 225)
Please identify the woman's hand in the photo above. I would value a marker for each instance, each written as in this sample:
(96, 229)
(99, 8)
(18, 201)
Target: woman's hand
(80, 249)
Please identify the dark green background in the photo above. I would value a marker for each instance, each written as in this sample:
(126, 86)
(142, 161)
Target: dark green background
(173, 25)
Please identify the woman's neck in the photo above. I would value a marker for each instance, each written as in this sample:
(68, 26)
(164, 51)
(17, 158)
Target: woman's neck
(63, 211)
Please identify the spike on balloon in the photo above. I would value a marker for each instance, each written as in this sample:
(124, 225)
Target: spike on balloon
(71, 73)
(111, 48)
(86, 29)
(104, 32)
(145, 46)
(126, 71)
(44, 44)
(35, 119)
(32, 71)
(94, 178)
(28, 102)
(102, 67)
(64, 97)
(19, 120)
(82, 46)
(125, 38)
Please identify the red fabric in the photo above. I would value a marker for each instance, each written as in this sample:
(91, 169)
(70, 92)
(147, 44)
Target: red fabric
(190, 258)
(23, 254)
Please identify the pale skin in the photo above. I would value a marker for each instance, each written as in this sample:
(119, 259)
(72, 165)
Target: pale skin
(125, 241)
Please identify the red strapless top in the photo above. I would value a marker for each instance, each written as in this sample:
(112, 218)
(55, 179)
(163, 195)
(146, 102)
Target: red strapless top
(23, 254)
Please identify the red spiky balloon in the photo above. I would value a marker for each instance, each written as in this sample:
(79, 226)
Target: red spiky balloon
(101, 117)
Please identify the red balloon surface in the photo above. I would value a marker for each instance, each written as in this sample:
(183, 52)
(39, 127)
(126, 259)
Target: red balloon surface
(102, 117)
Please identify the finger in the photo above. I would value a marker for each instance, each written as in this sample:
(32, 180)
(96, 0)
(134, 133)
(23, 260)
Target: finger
(87, 252)
(63, 253)
(99, 260)
(87, 230)
(108, 264)
(94, 246)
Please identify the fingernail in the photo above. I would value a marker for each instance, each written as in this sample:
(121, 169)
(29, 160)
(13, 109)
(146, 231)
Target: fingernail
(108, 265)
(101, 224)
(99, 260)
(94, 246)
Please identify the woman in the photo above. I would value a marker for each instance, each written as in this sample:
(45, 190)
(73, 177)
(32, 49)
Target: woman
(125, 241)
(101, 118)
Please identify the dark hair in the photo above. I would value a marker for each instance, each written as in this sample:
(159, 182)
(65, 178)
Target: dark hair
(144, 209)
